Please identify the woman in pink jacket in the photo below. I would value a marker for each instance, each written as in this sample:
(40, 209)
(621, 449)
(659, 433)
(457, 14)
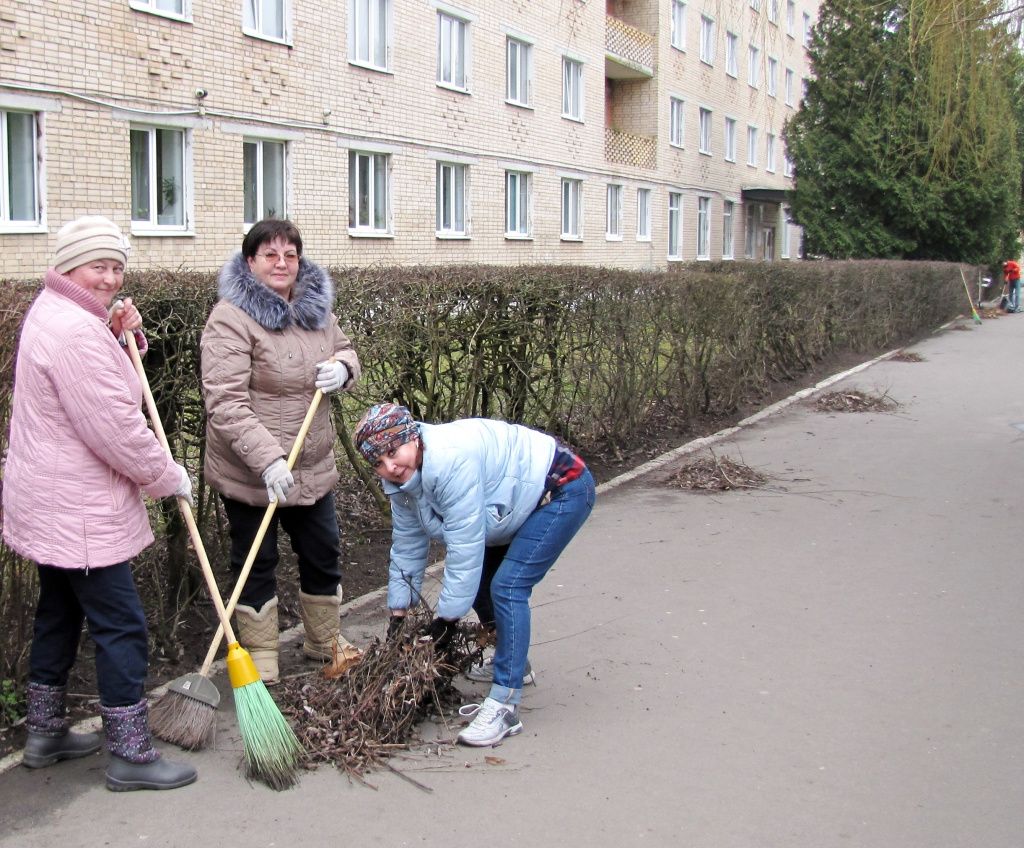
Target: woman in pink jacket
(79, 453)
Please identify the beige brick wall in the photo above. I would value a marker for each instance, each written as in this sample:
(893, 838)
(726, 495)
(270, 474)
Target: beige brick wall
(101, 66)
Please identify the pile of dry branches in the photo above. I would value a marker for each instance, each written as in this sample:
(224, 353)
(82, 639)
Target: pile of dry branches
(855, 401)
(357, 714)
(717, 474)
(907, 356)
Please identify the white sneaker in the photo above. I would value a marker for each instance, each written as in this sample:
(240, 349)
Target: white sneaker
(484, 673)
(493, 722)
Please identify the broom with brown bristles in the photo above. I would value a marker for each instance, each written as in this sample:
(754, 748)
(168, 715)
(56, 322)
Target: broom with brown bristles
(272, 751)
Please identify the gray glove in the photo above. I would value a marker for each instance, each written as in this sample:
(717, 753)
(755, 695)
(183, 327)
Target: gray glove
(331, 376)
(278, 480)
(184, 489)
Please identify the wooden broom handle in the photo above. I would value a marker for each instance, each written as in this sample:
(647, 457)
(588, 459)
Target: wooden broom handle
(183, 507)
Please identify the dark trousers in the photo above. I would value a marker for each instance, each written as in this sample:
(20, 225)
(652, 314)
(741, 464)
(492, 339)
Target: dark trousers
(107, 600)
(483, 606)
(314, 535)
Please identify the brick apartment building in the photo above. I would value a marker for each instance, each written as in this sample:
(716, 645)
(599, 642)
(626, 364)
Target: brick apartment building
(631, 134)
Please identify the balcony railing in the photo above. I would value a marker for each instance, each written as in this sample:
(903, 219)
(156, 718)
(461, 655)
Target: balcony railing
(627, 149)
(630, 46)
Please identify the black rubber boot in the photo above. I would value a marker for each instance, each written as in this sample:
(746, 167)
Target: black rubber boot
(134, 762)
(49, 740)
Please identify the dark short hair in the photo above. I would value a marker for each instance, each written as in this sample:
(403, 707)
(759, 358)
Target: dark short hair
(267, 230)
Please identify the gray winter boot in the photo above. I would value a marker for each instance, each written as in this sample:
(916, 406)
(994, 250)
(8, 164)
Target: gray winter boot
(49, 739)
(134, 762)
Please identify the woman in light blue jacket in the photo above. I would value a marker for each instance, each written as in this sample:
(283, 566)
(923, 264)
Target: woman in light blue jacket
(505, 500)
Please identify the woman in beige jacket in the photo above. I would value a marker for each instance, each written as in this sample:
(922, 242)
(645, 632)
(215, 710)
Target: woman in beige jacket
(270, 342)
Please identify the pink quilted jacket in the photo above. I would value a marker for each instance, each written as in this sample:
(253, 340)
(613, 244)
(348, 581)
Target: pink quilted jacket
(80, 448)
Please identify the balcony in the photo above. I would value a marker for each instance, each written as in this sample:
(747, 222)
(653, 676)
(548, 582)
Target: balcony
(623, 148)
(628, 51)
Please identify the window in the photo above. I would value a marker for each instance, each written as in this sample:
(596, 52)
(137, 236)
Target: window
(707, 40)
(451, 199)
(727, 216)
(572, 208)
(159, 188)
(773, 11)
(703, 227)
(752, 145)
(19, 174)
(266, 19)
(769, 153)
(613, 227)
(263, 173)
(755, 5)
(368, 191)
(807, 30)
(754, 66)
(732, 49)
(676, 122)
(784, 247)
(730, 139)
(170, 8)
(790, 17)
(679, 24)
(675, 225)
(572, 89)
(643, 214)
(518, 57)
(772, 76)
(705, 130)
(789, 86)
(517, 204)
(787, 165)
(452, 51)
(750, 214)
(369, 33)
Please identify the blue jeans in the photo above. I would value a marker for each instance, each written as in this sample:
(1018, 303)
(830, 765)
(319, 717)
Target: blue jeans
(106, 598)
(531, 553)
(1013, 301)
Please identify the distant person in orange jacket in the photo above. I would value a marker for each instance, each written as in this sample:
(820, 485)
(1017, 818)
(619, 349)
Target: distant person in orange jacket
(1011, 273)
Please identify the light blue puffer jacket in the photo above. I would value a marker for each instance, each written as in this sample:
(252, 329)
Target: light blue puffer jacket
(479, 482)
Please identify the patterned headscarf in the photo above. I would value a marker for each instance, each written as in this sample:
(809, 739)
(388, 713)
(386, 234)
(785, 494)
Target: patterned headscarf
(385, 426)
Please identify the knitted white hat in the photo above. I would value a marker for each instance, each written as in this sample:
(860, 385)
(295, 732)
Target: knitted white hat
(87, 238)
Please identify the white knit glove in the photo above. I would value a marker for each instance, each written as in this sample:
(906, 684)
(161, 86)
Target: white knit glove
(184, 489)
(278, 480)
(331, 376)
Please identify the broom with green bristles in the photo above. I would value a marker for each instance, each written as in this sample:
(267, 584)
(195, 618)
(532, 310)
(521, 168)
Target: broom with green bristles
(271, 749)
(970, 300)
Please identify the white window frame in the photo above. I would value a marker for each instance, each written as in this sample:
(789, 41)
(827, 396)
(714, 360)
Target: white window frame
(253, 23)
(519, 94)
(787, 165)
(769, 152)
(752, 145)
(707, 40)
(7, 223)
(613, 212)
(454, 51)
(643, 214)
(675, 225)
(704, 119)
(732, 49)
(753, 66)
(773, 11)
(678, 14)
(703, 227)
(755, 5)
(152, 7)
(677, 122)
(572, 209)
(260, 199)
(791, 18)
(789, 77)
(728, 239)
(451, 200)
(772, 77)
(807, 30)
(370, 37)
(784, 252)
(518, 197)
(376, 162)
(572, 89)
(730, 139)
(751, 218)
(152, 225)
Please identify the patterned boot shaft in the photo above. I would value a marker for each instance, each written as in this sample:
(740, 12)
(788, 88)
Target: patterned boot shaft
(46, 710)
(321, 619)
(128, 735)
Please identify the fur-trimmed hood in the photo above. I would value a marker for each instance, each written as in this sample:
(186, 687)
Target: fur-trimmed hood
(309, 308)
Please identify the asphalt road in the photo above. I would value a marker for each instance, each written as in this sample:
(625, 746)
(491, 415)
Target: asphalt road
(833, 659)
